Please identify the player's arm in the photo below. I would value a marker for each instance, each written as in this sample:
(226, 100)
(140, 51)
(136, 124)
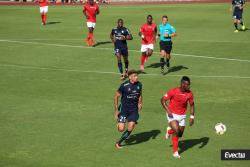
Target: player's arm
(116, 102)
(192, 111)
(112, 36)
(97, 11)
(128, 36)
(164, 99)
(84, 13)
(155, 34)
(140, 103)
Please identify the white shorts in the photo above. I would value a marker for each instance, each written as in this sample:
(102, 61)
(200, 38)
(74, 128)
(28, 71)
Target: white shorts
(178, 118)
(44, 9)
(144, 48)
(91, 25)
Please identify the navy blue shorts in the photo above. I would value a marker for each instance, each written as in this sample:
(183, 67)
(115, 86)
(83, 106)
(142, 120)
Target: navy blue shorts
(122, 51)
(166, 46)
(237, 15)
(129, 117)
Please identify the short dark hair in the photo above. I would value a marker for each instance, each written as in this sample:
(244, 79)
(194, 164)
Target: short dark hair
(185, 78)
(130, 72)
(149, 16)
(119, 20)
(165, 16)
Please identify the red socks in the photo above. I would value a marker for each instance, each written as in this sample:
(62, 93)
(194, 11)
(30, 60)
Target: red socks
(175, 140)
(44, 17)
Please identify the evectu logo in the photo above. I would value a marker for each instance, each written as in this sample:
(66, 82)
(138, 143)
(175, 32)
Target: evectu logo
(235, 154)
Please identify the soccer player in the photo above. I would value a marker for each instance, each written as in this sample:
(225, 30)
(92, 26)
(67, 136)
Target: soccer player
(131, 104)
(167, 31)
(237, 7)
(90, 10)
(176, 111)
(119, 37)
(148, 33)
(43, 10)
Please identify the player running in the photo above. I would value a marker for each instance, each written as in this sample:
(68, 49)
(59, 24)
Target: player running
(90, 10)
(237, 7)
(119, 37)
(131, 104)
(43, 10)
(176, 111)
(148, 33)
(167, 31)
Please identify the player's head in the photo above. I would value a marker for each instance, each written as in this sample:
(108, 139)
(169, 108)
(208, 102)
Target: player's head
(120, 23)
(149, 19)
(185, 83)
(164, 19)
(91, 2)
(133, 76)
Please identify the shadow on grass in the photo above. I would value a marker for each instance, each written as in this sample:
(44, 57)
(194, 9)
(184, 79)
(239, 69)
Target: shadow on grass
(102, 43)
(184, 145)
(142, 137)
(175, 68)
(53, 22)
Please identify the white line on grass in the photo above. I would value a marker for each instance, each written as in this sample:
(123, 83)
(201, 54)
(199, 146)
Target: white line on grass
(101, 40)
(114, 73)
(98, 48)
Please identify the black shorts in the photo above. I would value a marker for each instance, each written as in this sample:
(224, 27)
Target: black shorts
(166, 46)
(237, 14)
(130, 117)
(121, 50)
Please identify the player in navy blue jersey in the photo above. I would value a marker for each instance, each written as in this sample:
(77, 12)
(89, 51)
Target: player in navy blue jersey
(119, 37)
(237, 7)
(130, 93)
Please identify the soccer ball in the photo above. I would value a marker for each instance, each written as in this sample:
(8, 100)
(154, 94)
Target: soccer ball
(220, 128)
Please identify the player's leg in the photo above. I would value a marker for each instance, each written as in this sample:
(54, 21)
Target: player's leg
(243, 27)
(163, 55)
(42, 14)
(45, 14)
(168, 51)
(121, 127)
(91, 34)
(119, 62)
(143, 56)
(126, 62)
(235, 21)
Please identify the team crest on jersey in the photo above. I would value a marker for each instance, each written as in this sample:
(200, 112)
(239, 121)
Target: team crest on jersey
(129, 89)
(138, 87)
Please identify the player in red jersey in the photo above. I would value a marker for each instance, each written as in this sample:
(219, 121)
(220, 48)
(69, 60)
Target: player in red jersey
(43, 10)
(176, 111)
(90, 10)
(148, 33)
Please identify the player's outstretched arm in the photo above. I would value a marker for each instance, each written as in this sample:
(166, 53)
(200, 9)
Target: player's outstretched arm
(112, 37)
(116, 102)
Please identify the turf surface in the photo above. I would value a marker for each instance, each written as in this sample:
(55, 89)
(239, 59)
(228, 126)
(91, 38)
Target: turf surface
(56, 100)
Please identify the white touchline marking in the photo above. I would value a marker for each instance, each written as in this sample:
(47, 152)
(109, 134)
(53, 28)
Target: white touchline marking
(115, 73)
(97, 48)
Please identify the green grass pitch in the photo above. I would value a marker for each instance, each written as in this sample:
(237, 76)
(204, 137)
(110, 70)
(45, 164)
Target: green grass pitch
(56, 95)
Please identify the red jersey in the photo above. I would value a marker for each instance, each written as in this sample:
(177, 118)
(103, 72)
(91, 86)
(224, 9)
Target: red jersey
(148, 30)
(43, 3)
(178, 100)
(91, 11)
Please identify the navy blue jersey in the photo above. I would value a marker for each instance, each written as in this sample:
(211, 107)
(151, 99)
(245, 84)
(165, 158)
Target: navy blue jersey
(117, 33)
(237, 4)
(130, 96)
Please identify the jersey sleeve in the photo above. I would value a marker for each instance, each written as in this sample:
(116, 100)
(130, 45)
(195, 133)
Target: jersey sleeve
(97, 8)
(127, 32)
(121, 89)
(141, 29)
(112, 32)
(168, 95)
(191, 99)
(173, 29)
(233, 2)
